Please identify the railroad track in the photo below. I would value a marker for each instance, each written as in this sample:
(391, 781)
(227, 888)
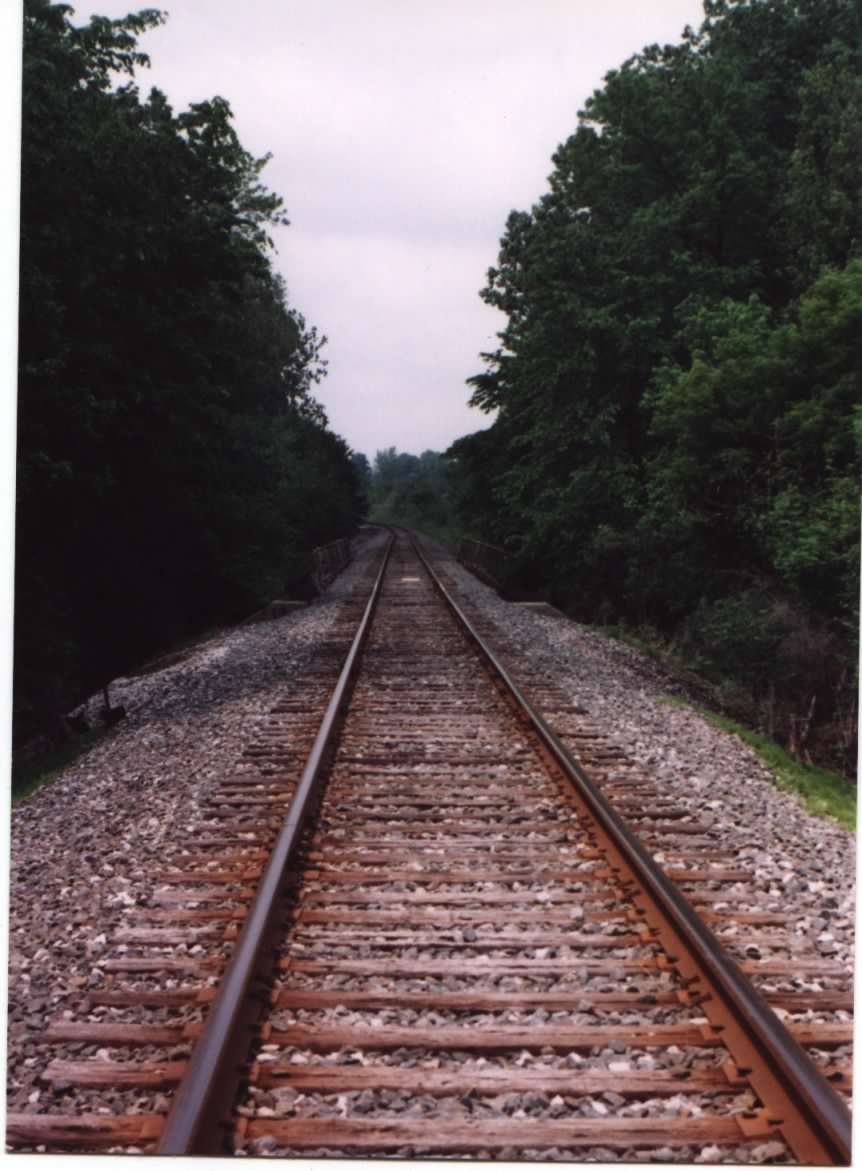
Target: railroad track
(454, 945)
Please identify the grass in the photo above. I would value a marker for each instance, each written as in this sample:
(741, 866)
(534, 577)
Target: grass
(41, 768)
(643, 639)
(650, 642)
(824, 793)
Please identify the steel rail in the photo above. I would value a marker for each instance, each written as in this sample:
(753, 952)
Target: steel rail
(814, 1119)
(200, 1112)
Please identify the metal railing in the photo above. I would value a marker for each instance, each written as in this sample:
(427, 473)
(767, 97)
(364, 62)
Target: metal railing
(486, 561)
(329, 560)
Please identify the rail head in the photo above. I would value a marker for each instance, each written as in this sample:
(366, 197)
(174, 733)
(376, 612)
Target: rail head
(196, 1122)
(822, 1132)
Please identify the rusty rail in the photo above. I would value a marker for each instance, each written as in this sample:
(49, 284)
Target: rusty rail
(812, 1118)
(815, 1121)
(203, 1102)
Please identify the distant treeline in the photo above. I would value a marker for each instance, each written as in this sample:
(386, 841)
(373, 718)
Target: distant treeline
(410, 490)
(173, 466)
(676, 383)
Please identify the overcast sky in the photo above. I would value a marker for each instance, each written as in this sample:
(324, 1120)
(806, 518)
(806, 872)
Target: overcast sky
(402, 133)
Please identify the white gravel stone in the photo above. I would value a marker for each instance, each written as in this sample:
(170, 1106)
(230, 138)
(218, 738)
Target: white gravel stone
(82, 845)
(805, 863)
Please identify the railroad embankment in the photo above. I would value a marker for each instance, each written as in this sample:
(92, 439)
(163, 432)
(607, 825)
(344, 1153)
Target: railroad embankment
(82, 845)
(211, 747)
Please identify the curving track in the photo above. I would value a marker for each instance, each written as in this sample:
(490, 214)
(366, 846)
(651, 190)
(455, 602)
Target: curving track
(467, 954)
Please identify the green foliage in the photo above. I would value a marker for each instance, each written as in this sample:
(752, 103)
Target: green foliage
(410, 490)
(736, 636)
(172, 460)
(824, 219)
(362, 471)
(680, 367)
(42, 767)
(754, 469)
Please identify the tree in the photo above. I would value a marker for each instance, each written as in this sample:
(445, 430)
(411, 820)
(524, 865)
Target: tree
(667, 415)
(166, 425)
(410, 490)
(362, 470)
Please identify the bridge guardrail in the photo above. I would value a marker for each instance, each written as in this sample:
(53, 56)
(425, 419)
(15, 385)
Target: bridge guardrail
(329, 560)
(488, 562)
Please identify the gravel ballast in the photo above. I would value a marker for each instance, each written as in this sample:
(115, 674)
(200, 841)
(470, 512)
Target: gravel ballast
(81, 847)
(803, 864)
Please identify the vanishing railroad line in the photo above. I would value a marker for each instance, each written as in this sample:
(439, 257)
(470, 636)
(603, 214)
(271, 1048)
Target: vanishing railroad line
(435, 934)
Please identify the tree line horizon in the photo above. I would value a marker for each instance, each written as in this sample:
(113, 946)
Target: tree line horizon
(174, 467)
(675, 392)
(678, 385)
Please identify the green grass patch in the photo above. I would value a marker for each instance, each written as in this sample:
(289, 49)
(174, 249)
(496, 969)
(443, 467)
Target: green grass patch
(824, 793)
(643, 639)
(36, 770)
(649, 641)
